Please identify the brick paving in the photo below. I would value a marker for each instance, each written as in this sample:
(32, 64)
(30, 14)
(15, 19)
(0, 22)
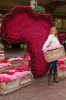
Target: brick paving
(38, 90)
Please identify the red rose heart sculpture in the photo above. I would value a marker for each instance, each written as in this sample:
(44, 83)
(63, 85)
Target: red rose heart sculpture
(21, 24)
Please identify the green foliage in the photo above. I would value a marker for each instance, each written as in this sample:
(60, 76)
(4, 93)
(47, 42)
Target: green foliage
(39, 9)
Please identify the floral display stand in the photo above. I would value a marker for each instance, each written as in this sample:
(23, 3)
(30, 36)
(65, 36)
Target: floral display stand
(22, 25)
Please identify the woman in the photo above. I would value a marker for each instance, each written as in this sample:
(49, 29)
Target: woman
(51, 42)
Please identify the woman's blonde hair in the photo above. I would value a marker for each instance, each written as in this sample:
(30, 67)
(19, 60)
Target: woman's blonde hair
(51, 30)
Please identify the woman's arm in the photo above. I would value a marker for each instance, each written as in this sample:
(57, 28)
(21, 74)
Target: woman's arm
(47, 42)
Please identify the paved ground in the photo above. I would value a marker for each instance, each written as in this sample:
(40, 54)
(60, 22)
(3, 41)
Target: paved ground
(38, 90)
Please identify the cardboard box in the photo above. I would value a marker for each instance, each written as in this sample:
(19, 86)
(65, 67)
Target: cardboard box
(54, 54)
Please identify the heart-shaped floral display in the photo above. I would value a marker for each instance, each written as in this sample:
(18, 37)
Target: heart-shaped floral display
(21, 24)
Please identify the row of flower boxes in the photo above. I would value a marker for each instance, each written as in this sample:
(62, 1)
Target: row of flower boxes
(15, 84)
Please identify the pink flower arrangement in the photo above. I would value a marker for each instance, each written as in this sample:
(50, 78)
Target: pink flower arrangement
(31, 29)
(55, 47)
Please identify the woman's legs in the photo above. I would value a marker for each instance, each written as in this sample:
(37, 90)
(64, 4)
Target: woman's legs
(55, 72)
(53, 67)
(50, 72)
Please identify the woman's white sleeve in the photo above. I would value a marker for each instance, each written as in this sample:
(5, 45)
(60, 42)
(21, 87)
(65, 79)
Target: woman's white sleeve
(47, 42)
